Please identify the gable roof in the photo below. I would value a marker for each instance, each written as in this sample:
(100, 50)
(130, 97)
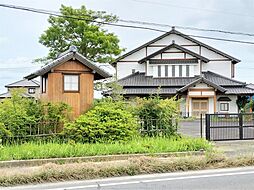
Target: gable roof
(173, 45)
(222, 80)
(139, 79)
(173, 31)
(66, 56)
(199, 80)
(23, 83)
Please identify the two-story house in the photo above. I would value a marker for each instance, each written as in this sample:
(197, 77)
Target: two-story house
(174, 64)
(31, 88)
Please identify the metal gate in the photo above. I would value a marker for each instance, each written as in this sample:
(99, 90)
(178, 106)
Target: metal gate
(236, 126)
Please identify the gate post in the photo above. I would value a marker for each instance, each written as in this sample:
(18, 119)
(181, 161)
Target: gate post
(241, 126)
(207, 127)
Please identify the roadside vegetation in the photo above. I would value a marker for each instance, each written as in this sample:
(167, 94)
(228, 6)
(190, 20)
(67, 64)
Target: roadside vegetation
(112, 126)
(150, 145)
(134, 166)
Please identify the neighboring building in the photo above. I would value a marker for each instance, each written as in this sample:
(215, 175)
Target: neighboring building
(31, 87)
(70, 79)
(176, 64)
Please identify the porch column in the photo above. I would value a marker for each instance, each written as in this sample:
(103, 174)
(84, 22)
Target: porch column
(214, 102)
(187, 105)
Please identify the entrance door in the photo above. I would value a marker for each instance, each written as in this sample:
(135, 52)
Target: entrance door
(199, 106)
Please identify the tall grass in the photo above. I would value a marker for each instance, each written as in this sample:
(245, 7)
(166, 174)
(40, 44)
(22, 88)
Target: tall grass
(38, 150)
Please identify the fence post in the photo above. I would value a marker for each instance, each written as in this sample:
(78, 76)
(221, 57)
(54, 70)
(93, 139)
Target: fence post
(207, 127)
(201, 125)
(240, 126)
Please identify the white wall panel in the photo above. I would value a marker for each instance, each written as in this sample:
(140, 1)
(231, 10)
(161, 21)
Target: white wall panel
(220, 67)
(172, 56)
(125, 68)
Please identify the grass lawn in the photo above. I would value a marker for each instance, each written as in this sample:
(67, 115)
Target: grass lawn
(139, 145)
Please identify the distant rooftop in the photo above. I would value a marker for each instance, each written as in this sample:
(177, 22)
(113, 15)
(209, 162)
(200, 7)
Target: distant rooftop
(24, 83)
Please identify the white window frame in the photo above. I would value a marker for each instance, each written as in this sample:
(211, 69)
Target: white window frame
(31, 90)
(71, 82)
(224, 103)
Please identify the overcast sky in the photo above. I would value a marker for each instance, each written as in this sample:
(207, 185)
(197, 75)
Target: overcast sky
(19, 30)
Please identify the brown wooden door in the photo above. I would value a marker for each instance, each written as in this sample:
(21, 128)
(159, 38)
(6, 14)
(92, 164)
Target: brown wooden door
(199, 106)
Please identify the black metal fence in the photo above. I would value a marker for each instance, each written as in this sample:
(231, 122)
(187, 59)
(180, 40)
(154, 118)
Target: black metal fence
(153, 127)
(236, 126)
(32, 131)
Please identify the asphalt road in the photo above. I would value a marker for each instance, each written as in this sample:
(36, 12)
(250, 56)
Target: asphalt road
(219, 179)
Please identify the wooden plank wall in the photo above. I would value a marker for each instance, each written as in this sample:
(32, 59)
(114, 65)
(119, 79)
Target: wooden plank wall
(79, 101)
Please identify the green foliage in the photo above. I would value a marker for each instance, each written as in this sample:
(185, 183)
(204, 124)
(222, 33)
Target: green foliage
(92, 40)
(157, 113)
(53, 149)
(241, 102)
(249, 105)
(4, 132)
(107, 121)
(20, 116)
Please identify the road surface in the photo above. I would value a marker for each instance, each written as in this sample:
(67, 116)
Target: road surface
(219, 179)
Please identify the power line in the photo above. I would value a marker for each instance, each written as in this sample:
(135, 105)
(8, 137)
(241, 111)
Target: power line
(46, 12)
(193, 8)
(77, 18)
(57, 13)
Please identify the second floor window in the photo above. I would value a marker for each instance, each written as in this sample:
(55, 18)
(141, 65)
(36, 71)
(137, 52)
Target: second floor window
(71, 83)
(159, 71)
(166, 70)
(187, 70)
(173, 70)
(180, 70)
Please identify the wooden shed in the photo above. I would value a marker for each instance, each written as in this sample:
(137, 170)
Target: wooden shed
(70, 79)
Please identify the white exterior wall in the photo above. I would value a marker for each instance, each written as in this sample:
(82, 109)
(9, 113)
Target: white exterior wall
(125, 68)
(220, 67)
(232, 104)
(210, 105)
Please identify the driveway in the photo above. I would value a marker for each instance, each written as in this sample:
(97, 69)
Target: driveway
(236, 148)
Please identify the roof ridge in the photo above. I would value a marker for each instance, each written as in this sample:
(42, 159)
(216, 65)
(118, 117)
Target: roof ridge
(173, 31)
(15, 82)
(202, 79)
(131, 75)
(205, 45)
(244, 83)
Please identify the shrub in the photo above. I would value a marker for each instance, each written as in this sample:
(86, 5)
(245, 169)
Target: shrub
(107, 121)
(21, 115)
(159, 116)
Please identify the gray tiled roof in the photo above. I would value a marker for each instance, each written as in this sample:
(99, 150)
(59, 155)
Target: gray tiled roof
(71, 53)
(23, 83)
(239, 90)
(138, 83)
(136, 91)
(221, 80)
(172, 61)
(139, 79)
(199, 80)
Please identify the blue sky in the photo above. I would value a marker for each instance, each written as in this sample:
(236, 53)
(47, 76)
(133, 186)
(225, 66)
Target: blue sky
(19, 30)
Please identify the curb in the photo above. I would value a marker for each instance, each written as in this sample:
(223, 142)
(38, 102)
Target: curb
(38, 162)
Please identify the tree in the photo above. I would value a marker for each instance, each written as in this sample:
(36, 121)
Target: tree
(77, 27)
(242, 101)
